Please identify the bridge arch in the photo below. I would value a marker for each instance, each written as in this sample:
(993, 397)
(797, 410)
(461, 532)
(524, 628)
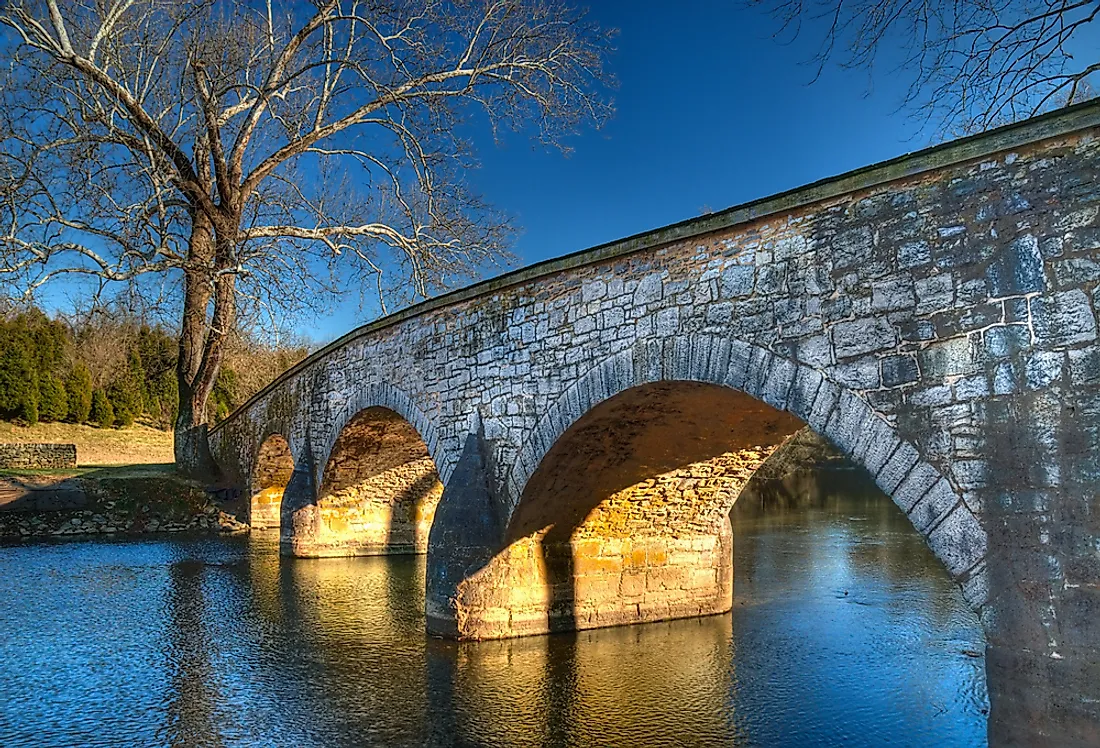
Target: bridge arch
(376, 477)
(272, 470)
(379, 396)
(279, 483)
(927, 497)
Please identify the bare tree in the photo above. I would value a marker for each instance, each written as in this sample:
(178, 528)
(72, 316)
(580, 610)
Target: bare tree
(973, 64)
(230, 154)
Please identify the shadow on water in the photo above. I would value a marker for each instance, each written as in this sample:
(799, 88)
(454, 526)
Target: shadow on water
(193, 695)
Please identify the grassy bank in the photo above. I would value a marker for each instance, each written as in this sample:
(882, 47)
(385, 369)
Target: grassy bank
(137, 445)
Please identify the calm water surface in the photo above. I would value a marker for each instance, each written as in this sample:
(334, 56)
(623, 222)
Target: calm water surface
(845, 631)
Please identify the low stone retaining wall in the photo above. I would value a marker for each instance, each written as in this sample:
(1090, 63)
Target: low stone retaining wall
(110, 522)
(107, 503)
(37, 456)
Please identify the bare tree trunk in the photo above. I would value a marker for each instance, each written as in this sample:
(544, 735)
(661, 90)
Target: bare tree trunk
(192, 450)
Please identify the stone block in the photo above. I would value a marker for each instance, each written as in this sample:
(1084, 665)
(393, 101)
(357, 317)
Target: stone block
(668, 322)
(891, 294)
(882, 445)
(1005, 341)
(1017, 268)
(737, 281)
(650, 289)
(852, 247)
(800, 400)
(778, 382)
(863, 336)
(948, 358)
(1063, 319)
(859, 374)
(934, 293)
(632, 584)
(899, 370)
(914, 254)
(960, 542)
(597, 565)
(933, 506)
(843, 428)
(828, 394)
(916, 483)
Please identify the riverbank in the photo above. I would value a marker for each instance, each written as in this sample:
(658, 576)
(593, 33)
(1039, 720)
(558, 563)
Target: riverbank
(120, 500)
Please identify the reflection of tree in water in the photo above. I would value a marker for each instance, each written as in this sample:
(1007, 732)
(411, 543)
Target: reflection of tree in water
(193, 695)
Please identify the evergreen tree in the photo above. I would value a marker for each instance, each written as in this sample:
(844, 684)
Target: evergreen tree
(78, 388)
(29, 411)
(53, 402)
(18, 382)
(157, 350)
(102, 414)
(125, 392)
(134, 381)
(124, 402)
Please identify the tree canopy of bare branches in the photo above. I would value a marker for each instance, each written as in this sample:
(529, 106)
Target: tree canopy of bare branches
(240, 156)
(972, 64)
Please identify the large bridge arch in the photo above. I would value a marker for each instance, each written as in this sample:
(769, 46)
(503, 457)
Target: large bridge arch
(930, 501)
(510, 588)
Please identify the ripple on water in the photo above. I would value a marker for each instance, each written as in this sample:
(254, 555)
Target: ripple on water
(844, 633)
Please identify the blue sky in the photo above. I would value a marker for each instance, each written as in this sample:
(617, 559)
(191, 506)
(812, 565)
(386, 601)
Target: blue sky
(711, 111)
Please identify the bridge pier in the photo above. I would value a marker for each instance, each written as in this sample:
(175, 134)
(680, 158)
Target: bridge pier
(540, 585)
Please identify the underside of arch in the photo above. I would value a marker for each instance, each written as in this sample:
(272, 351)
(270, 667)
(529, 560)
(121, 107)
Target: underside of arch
(626, 519)
(270, 476)
(378, 491)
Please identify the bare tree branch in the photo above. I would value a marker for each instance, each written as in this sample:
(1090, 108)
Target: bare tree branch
(253, 155)
(972, 65)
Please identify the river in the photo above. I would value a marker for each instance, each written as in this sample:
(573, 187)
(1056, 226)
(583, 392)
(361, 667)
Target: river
(845, 631)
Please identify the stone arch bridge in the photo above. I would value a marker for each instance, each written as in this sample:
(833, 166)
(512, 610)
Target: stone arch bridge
(566, 441)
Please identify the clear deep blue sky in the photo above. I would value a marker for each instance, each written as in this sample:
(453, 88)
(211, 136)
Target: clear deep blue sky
(710, 112)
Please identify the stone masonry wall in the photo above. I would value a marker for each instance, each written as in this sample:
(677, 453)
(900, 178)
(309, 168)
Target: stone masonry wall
(536, 587)
(387, 513)
(37, 456)
(935, 318)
